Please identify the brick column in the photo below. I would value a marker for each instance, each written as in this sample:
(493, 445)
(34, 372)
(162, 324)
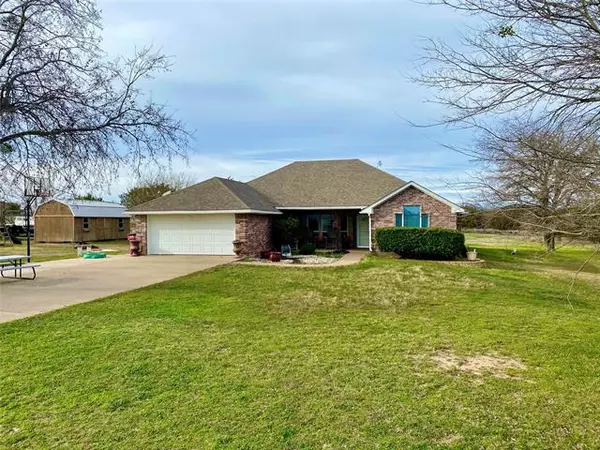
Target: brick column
(254, 231)
(139, 226)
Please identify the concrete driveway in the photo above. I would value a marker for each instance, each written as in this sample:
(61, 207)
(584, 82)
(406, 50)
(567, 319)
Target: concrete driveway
(68, 282)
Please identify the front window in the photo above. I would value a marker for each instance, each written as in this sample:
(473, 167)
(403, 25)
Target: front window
(121, 224)
(86, 224)
(320, 224)
(313, 224)
(411, 216)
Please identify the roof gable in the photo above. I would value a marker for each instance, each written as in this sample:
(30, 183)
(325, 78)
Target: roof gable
(333, 183)
(454, 207)
(214, 194)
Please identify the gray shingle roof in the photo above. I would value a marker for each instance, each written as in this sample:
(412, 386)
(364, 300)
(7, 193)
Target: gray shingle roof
(345, 182)
(214, 194)
(334, 183)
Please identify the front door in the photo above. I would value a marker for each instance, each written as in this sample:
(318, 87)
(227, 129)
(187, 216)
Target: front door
(362, 234)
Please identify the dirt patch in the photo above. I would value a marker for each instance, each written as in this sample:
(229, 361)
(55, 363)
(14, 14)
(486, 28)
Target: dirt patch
(497, 366)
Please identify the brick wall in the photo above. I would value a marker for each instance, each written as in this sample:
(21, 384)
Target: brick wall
(254, 230)
(440, 214)
(139, 226)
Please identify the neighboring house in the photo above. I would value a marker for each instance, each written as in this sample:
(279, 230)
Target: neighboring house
(339, 201)
(80, 221)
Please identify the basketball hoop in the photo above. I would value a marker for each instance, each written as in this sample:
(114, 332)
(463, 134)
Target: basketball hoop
(35, 187)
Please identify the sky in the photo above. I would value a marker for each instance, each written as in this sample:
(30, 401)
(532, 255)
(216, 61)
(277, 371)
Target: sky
(263, 84)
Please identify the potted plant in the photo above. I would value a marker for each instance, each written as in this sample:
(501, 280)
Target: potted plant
(472, 255)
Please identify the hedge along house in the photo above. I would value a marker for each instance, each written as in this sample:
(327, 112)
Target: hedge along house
(338, 203)
(80, 221)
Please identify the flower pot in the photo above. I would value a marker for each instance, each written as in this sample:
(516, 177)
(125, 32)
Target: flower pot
(472, 256)
(275, 256)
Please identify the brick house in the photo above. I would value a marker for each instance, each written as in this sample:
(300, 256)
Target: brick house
(339, 203)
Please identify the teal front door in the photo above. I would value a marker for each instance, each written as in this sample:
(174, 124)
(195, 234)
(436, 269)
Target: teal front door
(362, 235)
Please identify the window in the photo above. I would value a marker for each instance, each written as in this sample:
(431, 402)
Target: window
(121, 224)
(320, 223)
(86, 224)
(344, 223)
(412, 216)
(326, 224)
(313, 224)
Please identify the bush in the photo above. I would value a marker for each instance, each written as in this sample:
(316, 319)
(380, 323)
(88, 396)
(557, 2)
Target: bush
(307, 249)
(421, 243)
(285, 230)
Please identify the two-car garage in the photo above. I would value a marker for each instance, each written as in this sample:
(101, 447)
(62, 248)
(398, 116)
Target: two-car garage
(205, 219)
(191, 234)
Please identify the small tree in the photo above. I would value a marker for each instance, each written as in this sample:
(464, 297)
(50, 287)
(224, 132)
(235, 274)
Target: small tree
(8, 210)
(286, 230)
(153, 186)
(88, 196)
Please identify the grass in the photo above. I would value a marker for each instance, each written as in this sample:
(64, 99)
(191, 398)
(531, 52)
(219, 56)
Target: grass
(51, 252)
(347, 357)
(496, 249)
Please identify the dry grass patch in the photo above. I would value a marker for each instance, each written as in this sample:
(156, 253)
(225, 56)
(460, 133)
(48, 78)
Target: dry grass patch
(388, 287)
(497, 366)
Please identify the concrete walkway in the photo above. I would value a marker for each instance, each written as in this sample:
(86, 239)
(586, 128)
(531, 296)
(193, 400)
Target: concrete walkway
(72, 281)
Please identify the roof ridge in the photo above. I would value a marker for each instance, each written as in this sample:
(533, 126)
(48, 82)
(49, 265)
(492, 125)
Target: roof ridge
(221, 180)
(273, 171)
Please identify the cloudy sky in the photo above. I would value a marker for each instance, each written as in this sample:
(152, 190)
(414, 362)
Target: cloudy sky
(266, 83)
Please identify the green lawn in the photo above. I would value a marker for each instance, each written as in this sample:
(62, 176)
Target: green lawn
(496, 249)
(324, 358)
(51, 252)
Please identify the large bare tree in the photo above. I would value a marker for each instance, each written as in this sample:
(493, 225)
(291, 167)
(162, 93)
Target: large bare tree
(66, 110)
(544, 177)
(522, 55)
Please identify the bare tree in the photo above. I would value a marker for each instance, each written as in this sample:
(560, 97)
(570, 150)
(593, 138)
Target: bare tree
(66, 110)
(527, 55)
(524, 176)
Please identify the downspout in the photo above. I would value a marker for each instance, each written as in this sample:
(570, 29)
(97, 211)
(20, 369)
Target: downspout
(370, 240)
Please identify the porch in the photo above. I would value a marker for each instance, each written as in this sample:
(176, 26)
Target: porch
(339, 229)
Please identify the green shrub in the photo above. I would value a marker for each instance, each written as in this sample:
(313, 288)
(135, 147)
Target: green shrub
(307, 249)
(421, 243)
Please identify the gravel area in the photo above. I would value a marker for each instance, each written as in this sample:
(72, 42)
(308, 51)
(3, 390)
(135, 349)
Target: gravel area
(303, 259)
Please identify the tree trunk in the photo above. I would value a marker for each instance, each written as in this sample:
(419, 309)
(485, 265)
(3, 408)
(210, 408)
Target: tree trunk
(550, 241)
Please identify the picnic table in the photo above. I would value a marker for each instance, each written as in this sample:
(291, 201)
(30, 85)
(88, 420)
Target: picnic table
(16, 264)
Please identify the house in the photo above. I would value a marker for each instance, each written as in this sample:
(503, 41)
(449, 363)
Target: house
(338, 202)
(80, 221)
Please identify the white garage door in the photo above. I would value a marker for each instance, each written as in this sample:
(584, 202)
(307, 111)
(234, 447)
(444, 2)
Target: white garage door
(191, 234)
